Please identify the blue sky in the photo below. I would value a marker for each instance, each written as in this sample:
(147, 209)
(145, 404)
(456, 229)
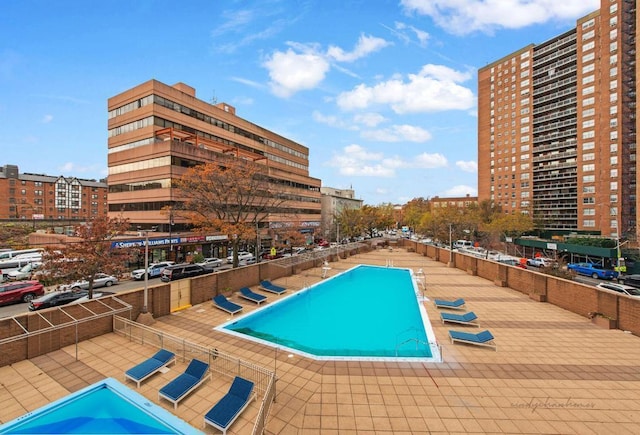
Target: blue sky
(382, 92)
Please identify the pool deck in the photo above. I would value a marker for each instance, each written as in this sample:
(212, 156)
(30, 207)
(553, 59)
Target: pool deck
(554, 372)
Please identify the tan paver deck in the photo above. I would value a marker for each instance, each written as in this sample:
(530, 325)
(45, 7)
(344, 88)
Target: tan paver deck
(553, 372)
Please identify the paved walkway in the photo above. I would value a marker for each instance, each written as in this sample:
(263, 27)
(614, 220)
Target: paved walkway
(553, 372)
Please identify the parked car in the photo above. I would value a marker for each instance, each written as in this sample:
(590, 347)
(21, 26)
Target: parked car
(620, 288)
(96, 295)
(56, 298)
(247, 261)
(153, 271)
(101, 280)
(24, 272)
(179, 271)
(539, 262)
(23, 291)
(592, 270)
(211, 263)
(511, 261)
(242, 255)
(632, 280)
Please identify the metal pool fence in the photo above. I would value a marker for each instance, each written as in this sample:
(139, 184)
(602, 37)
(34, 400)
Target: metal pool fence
(220, 362)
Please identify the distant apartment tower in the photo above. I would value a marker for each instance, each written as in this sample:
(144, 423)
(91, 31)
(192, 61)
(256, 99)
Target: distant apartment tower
(333, 202)
(52, 198)
(557, 127)
(156, 132)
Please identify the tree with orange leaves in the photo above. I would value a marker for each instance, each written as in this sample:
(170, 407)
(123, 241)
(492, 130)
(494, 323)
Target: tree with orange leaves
(91, 253)
(231, 196)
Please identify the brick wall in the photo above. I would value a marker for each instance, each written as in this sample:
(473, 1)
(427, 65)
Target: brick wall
(572, 296)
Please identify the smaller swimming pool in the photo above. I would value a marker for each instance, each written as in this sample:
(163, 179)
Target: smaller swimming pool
(106, 407)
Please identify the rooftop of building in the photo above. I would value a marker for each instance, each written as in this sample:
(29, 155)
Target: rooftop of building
(553, 370)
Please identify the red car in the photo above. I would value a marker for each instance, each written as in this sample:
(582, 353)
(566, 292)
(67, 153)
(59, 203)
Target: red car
(23, 291)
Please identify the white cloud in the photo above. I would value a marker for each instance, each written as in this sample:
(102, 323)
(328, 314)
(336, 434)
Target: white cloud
(356, 160)
(398, 133)
(435, 88)
(466, 16)
(369, 119)
(247, 82)
(430, 161)
(461, 190)
(401, 29)
(304, 66)
(291, 72)
(47, 119)
(469, 166)
(364, 46)
(332, 121)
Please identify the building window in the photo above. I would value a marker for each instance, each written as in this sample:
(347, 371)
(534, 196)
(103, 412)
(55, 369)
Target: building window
(588, 223)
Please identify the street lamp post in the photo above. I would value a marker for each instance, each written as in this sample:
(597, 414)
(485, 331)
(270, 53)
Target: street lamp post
(146, 273)
(170, 234)
(450, 244)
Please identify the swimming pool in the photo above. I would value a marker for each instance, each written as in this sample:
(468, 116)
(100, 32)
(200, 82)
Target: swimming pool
(106, 407)
(364, 313)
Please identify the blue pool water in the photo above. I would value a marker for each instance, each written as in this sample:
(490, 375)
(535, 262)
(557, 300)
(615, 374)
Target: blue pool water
(367, 312)
(107, 407)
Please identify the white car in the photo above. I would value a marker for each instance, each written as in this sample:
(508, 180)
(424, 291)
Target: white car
(24, 272)
(154, 270)
(620, 288)
(211, 263)
(101, 280)
(242, 255)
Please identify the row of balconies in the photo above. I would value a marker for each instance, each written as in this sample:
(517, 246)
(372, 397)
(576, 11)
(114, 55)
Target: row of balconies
(553, 107)
(544, 186)
(571, 132)
(554, 166)
(561, 56)
(556, 145)
(571, 122)
(542, 75)
(571, 153)
(567, 174)
(569, 39)
(573, 197)
(556, 84)
(571, 91)
(568, 112)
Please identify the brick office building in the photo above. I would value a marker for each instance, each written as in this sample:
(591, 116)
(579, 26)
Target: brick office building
(557, 127)
(157, 131)
(37, 197)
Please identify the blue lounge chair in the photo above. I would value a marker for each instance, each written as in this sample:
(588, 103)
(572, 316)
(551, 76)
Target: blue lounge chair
(229, 408)
(195, 374)
(150, 366)
(268, 286)
(458, 304)
(462, 319)
(484, 338)
(247, 293)
(220, 301)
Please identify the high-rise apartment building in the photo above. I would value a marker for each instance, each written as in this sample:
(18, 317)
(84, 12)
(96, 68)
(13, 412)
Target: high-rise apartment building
(157, 131)
(557, 127)
(39, 197)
